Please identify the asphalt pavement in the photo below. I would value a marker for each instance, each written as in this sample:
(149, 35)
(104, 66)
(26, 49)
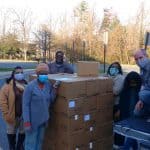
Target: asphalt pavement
(3, 138)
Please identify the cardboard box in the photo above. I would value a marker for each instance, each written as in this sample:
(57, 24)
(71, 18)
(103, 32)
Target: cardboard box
(104, 130)
(61, 146)
(72, 89)
(105, 85)
(87, 68)
(90, 131)
(73, 86)
(77, 140)
(104, 116)
(91, 145)
(109, 85)
(89, 104)
(82, 114)
(68, 124)
(89, 118)
(92, 87)
(75, 106)
(69, 106)
(71, 141)
(105, 143)
(105, 101)
(76, 122)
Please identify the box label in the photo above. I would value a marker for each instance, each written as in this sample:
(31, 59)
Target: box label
(72, 104)
(76, 117)
(91, 129)
(91, 145)
(86, 117)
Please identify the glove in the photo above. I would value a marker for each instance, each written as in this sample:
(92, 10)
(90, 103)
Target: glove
(56, 84)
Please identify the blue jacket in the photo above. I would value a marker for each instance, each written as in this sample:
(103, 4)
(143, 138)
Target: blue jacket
(145, 75)
(36, 103)
(144, 94)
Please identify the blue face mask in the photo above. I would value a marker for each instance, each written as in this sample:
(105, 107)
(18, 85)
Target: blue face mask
(113, 71)
(43, 78)
(19, 76)
(142, 62)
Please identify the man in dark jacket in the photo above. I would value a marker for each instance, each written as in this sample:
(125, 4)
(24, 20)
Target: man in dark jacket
(59, 65)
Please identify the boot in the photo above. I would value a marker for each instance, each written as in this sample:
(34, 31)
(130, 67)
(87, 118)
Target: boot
(20, 142)
(11, 141)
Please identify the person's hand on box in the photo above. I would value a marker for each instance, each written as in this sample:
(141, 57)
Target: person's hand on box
(57, 84)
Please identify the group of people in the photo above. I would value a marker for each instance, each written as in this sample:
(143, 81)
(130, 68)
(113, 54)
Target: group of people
(21, 103)
(131, 94)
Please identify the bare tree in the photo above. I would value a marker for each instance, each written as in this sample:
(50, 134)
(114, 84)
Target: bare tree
(43, 39)
(24, 22)
(5, 21)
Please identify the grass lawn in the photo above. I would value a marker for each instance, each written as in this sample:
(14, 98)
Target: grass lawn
(10, 69)
(5, 69)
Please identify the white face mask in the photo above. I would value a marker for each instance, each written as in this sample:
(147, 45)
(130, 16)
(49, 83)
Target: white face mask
(19, 76)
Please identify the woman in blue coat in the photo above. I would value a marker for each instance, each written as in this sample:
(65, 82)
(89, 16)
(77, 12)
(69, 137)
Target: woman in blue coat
(37, 97)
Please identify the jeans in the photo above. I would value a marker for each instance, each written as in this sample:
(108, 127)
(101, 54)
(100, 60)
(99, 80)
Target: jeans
(34, 138)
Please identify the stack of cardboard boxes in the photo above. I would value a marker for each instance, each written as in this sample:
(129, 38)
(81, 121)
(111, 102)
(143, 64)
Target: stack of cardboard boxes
(81, 117)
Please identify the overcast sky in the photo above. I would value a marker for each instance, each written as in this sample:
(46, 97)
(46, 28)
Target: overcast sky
(41, 9)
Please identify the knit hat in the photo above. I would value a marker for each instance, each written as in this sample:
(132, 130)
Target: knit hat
(42, 67)
(140, 53)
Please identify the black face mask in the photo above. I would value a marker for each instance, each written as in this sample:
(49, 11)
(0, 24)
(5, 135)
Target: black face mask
(59, 59)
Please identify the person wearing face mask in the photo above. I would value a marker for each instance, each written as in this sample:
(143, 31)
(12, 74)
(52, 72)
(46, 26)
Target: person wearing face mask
(142, 108)
(115, 72)
(59, 65)
(37, 97)
(11, 107)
